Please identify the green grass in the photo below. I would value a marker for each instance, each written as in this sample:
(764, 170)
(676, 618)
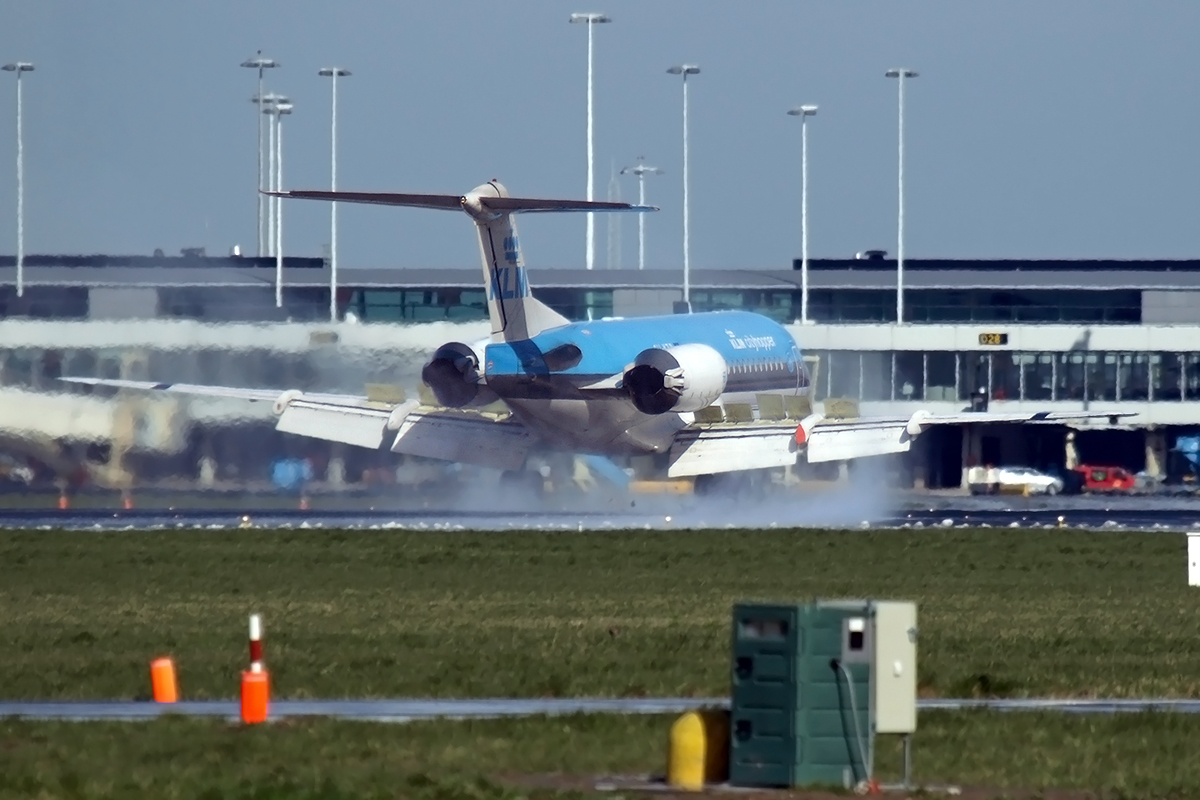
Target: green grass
(380, 614)
(1125, 756)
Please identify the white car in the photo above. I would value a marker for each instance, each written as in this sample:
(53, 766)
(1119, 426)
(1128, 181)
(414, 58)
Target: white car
(1012, 480)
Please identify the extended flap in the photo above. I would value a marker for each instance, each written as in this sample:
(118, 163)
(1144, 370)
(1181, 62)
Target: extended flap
(469, 438)
(356, 425)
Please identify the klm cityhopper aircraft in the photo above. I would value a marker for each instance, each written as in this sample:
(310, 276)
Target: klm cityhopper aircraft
(607, 387)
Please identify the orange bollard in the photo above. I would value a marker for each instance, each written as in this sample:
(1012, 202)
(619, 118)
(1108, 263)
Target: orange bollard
(256, 693)
(162, 680)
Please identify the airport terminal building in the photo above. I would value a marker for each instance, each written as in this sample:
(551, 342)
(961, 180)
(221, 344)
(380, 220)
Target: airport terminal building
(1000, 335)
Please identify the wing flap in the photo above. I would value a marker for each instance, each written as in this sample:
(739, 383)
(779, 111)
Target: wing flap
(336, 422)
(708, 450)
(465, 437)
(840, 441)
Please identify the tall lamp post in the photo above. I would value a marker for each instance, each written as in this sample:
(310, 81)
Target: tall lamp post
(641, 170)
(900, 75)
(803, 112)
(590, 19)
(685, 70)
(333, 73)
(279, 110)
(266, 104)
(260, 63)
(18, 67)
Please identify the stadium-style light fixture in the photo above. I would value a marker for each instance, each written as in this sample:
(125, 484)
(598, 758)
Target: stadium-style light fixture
(900, 75)
(260, 63)
(641, 170)
(685, 70)
(19, 67)
(803, 112)
(333, 73)
(590, 19)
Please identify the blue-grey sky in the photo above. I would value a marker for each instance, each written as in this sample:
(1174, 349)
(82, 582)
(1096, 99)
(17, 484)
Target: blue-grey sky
(1036, 129)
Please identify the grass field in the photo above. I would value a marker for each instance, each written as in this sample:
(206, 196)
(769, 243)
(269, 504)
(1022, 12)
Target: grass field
(1126, 756)
(379, 614)
(362, 614)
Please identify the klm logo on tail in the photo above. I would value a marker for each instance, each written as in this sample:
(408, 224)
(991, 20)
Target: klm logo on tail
(512, 251)
(508, 283)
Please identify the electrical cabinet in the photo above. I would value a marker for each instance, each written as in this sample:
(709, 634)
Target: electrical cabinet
(812, 684)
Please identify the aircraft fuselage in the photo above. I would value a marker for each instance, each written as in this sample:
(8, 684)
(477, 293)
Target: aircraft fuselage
(565, 383)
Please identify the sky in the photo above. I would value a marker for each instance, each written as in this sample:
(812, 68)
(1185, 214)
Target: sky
(1035, 130)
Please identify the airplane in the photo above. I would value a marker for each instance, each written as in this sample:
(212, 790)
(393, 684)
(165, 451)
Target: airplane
(609, 387)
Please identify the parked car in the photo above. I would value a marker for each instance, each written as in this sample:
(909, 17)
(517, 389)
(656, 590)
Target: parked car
(1107, 479)
(1012, 480)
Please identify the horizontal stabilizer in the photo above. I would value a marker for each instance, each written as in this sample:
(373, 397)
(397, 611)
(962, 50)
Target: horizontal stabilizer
(454, 202)
(516, 205)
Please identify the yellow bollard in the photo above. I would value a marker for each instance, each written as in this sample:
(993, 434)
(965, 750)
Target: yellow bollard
(162, 680)
(698, 751)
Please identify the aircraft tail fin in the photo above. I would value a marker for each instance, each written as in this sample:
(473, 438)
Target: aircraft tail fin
(514, 313)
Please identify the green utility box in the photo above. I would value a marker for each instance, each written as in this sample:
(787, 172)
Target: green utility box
(812, 685)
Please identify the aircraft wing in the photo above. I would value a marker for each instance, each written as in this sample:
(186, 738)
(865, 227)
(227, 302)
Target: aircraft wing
(350, 419)
(470, 436)
(704, 449)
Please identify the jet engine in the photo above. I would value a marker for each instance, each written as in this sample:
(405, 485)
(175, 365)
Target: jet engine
(686, 377)
(453, 374)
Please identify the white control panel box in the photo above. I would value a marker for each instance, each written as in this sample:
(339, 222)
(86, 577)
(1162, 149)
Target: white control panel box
(895, 667)
(1193, 555)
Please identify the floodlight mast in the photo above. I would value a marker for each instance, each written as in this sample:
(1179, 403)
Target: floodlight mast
(642, 170)
(590, 19)
(266, 104)
(685, 70)
(900, 75)
(333, 73)
(278, 110)
(19, 67)
(260, 63)
(803, 112)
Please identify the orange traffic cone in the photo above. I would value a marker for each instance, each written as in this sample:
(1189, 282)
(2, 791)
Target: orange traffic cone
(256, 694)
(162, 680)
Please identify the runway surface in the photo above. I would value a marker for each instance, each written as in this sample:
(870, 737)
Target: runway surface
(1140, 513)
(410, 710)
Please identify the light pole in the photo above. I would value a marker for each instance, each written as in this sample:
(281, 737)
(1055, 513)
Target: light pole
(685, 70)
(900, 75)
(260, 63)
(266, 104)
(280, 109)
(333, 73)
(803, 112)
(590, 19)
(641, 170)
(18, 67)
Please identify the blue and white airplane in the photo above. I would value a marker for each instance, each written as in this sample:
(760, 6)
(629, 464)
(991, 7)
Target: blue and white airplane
(607, 387)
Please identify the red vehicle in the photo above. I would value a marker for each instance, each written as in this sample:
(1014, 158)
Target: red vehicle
(1106, 479)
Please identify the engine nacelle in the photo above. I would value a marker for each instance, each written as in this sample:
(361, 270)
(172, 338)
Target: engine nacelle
(686, 377)
(453, 374)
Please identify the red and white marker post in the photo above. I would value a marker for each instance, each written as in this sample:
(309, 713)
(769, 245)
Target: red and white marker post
(256, 686)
